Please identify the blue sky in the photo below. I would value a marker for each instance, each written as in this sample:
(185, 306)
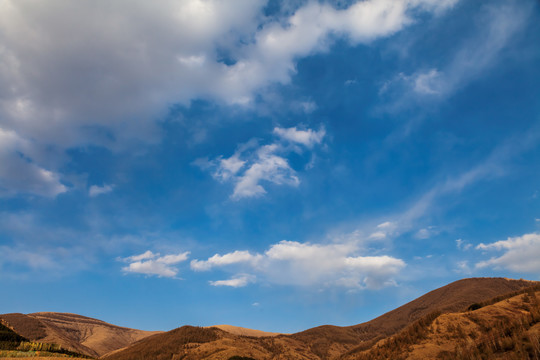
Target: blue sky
(266, 164)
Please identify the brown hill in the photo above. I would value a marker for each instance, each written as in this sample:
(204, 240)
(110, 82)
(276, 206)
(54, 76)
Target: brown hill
(507, 328)
(237, 330)
(324, 342)
(74, 332)
(329, 341)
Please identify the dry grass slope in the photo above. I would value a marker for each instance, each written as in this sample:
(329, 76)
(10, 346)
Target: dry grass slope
(507, 327)
(326, 342)
(74, 332)
(237, 330)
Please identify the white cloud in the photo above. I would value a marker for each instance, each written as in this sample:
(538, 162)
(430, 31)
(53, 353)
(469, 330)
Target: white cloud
(426, 233)
(305, 137)
(308, 106)
(121, 67)
(386, 225)
(378, 235)
(267, 167)
(236, 282)
(227, 259)
(428, 83)
(253, 164)
(520, 253)
(96, 190)
(150, 263)
(383, 230)
(306, 264)
(144, 256)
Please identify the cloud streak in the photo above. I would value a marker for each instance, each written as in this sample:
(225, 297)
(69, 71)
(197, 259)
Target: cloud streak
(96, 190)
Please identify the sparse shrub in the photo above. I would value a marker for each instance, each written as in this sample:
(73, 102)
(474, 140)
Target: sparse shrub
(474, 306)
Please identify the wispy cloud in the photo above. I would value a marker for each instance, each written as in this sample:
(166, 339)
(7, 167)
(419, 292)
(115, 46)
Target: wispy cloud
(463, 245)
(149, 263)
(18, 171)
(253, 164)
(236, 282)
(306, 137)
(96, 190)
(497, 26)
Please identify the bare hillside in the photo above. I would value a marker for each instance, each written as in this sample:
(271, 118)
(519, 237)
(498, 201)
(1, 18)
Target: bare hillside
(324, 342)
(74, 332)
(507, 328)
(237, 330)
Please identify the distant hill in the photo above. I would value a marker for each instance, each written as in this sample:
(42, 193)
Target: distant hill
(74, 332)
(324, 342)
(237, 330)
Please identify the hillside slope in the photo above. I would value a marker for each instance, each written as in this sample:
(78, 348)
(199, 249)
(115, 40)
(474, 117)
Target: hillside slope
(324, 342)
(508, 328)
(237, 330)
(74, 332)
(329, 341)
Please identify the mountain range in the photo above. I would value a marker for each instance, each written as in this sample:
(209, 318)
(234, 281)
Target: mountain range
(431, 326)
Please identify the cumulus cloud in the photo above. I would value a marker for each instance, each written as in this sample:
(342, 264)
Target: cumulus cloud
(253, 164)
(121, 67)
(520, 253)
(150, 263)
(307, 264)
(96, 190)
